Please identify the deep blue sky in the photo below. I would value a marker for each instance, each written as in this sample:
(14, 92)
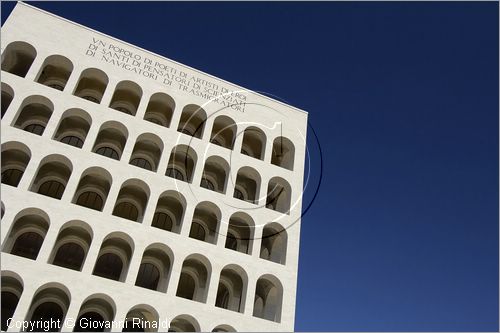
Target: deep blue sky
(404, 99)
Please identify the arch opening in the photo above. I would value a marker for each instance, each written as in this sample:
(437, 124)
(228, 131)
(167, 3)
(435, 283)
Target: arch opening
(279, 195)
(15, 159)
(18, 58)
(160, 109)
(154, 271)
(268, 299)
(71, 246)
(91, 85)
(126, 97)
(34, 115)
(274, 243)
(194, 279)
(55, 72)
(27, 234)
(215, 174)
(192, 121)
(283, 153)
(132, 200)
(240, 233)
(111, 140)
(12, 289)
(114, 257)
(147, 152)
(73, 128)
(206, 222)
(169, 212)
(254, 143)
(181, 163)
(52, 176)
(223, 132)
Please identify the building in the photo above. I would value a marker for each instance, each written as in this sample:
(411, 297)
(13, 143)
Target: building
(137, 187)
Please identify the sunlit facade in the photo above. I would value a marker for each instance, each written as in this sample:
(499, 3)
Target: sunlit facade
(137, 187)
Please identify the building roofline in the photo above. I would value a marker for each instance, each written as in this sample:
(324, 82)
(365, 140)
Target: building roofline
(160, 56)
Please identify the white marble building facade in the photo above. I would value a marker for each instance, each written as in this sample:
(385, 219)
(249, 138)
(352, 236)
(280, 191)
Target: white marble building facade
(137, 187)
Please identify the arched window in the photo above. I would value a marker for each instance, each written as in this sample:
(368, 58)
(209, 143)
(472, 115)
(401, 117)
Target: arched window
(70, 255)
(195, 276)
(49, 304)
(268, 298)
(160, 109)
(91, 85)
(109, 266)
(247, 185)
(283, 153)
(232, 288)
(240, 233)
(254, 143)
(55, 72)
(192, 121)
(279, 195)
(169, 211)
(12, 289)
(73, 127)
(114, 257)
(52, 176)
(72, 244)
(18, 58)
(182, 161)
(126, 97)
(215, 174)
(205, 224)
(7, 97)
(132, 200)
(27, 233)
(147, 151)
(223, 132)
(34, 114)
(155, 268)
(111, 140)
(15, 159)
(274, 243)
(93, 188)
(95, 311)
